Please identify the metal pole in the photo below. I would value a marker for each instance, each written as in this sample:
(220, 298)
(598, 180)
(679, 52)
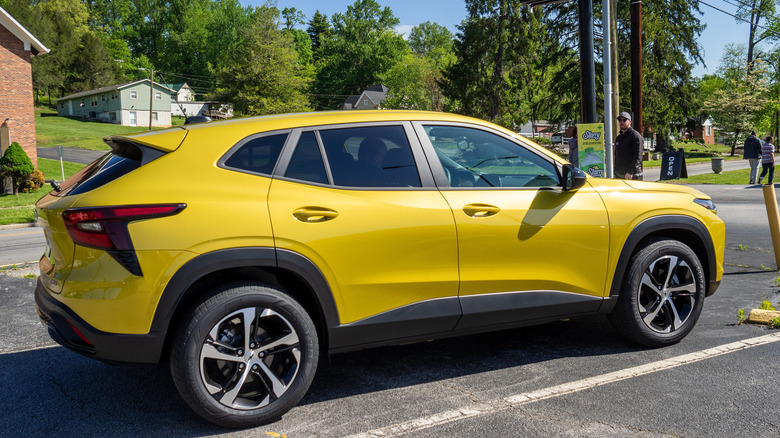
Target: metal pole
(587, 66)
(607, 89)
(151, 97)
(770, 200)
(636, 65)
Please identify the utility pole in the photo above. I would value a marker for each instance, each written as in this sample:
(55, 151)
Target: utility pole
(587, 66)
(607, 90)
(636, 65)
(151, 96)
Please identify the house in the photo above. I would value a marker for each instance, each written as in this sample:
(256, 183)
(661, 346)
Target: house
(705, 131)
(182, 92)
(371, 98)
(17, 113)
(123, 104)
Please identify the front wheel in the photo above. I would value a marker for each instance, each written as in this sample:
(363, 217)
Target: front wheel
(662, 296)
(246, 356)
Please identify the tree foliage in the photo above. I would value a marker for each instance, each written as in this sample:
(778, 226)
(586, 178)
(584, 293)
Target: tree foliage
(736, 107)
(362, 48)
(264, 77)
(16, 164)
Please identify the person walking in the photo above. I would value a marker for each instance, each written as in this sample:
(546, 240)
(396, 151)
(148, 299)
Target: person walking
(767, 160)
(752, 153)
(629, 146)
(574, 150)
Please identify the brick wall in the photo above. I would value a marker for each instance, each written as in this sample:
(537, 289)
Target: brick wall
(16, 92)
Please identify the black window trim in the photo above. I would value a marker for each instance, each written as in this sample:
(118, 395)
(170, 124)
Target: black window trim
(440, 175)
(421, 161)
(247, 139)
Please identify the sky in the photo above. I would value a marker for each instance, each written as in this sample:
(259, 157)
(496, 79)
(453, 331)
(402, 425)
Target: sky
(721, 28)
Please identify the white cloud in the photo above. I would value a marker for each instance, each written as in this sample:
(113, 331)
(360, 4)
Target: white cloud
(404, 30)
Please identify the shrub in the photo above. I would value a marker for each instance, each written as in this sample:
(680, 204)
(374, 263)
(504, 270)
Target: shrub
(32, 182)
(16, 164)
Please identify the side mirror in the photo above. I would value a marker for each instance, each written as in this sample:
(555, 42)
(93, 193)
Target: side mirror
(573, 178)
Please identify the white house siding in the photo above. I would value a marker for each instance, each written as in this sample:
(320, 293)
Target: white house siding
(142, 118)
(191, 108)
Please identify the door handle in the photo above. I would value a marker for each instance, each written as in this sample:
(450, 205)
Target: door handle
(480, 210)
(314, 214)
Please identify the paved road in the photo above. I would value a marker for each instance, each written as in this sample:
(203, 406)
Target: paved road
(73, 155)
(21, 245)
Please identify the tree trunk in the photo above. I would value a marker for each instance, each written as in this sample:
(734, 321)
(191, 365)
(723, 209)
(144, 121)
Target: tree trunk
(734, 143)
(662, 142)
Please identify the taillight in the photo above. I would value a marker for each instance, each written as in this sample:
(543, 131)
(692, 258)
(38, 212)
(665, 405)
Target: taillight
(106, 228)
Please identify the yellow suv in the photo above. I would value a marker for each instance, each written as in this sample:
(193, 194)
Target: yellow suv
(242, 250)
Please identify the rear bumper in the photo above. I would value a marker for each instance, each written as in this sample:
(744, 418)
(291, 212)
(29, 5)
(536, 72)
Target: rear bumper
(72, 332)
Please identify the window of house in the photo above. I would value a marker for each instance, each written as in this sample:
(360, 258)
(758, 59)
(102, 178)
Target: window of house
(709, 130)
(93, 101)
(112, 115)
(157, 95)
(133, 95)
(114, 95)
(154, 116)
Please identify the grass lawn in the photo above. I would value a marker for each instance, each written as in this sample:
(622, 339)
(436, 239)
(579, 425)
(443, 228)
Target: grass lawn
(19, 209)
(72, 132)
(738, 177)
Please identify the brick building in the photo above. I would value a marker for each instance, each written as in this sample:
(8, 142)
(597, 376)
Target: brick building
(17, 47)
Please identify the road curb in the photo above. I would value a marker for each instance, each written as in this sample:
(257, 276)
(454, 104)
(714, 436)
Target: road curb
(761, 316)
(14, 226)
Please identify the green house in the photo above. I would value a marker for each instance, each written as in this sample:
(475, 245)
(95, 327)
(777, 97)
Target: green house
(123, 104)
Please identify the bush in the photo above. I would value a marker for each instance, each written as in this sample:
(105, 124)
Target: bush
(16, 164)
(32, 182)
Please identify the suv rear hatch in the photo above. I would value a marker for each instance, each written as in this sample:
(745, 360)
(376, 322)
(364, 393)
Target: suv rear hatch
(128, 154)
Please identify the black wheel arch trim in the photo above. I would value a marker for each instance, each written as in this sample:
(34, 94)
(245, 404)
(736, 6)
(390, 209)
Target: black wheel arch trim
(667, 223)
(211, 262)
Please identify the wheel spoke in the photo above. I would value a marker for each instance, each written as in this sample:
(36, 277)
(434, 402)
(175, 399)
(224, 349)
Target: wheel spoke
(249, 315)
(229, 397)
(684, 290)
(277, 387)
(651, 315)
(290, 339)
(649, 283)
(670, 270)
(209, 351)
(674, 317)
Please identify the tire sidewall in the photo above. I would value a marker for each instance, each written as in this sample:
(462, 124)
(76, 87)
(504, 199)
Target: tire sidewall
(185, 358)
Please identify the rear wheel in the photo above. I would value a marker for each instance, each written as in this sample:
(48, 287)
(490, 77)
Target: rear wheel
(662, 295)
(246, 356)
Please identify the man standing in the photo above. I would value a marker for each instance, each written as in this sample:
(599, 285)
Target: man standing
(629, 145)
(752, 152)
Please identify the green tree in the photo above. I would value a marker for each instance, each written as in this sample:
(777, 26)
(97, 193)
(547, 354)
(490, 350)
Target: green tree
(319, 30)
(364, 46)
(496, 52)
(754, 11)
(265, 76)
(292, 17)
(433, 41)
(16, 164)
(736, 107)
(412, 85)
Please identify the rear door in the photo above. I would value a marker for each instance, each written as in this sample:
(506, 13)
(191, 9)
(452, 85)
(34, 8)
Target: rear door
(355, 200)
(527, 250)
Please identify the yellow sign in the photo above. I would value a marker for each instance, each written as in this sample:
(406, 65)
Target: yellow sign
(590, 139)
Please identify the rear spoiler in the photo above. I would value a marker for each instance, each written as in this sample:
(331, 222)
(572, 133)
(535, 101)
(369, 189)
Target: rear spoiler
(146, 147)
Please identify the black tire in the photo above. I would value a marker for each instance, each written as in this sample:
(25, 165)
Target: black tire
(657, 305)
(238, 376)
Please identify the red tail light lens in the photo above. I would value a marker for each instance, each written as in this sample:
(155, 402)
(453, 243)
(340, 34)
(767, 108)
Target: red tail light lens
(106, 227)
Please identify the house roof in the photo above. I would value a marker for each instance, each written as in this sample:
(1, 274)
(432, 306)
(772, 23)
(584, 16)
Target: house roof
(176, 87)
(376, 93)
(30, 42)
(110, 88)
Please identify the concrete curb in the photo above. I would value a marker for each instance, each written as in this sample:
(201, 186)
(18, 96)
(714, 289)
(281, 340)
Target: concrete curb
(760, 316)
(14, 226)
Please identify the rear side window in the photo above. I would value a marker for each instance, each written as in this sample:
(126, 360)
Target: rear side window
(306, 163)
(377, 156)
(258, 154)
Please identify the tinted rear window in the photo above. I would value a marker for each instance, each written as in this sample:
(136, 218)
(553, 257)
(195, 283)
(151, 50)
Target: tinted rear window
(258, 154)
(102, 171)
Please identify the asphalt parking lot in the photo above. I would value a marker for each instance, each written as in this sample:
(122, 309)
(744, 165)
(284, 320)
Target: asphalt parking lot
(567, 378)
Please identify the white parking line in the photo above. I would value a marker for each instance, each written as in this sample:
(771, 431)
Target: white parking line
(477, 409)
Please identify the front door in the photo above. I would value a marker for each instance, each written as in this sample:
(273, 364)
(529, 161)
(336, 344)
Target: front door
(527, 249)
(133, 118)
